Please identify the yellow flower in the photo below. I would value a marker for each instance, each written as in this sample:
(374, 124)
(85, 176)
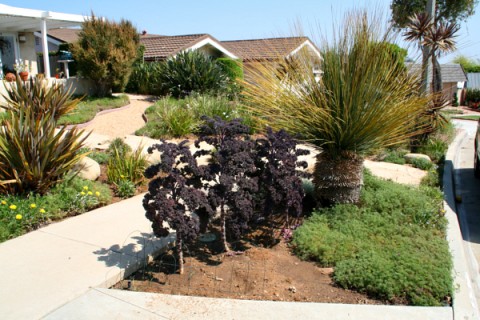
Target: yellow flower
(33, 206)
(82, 193)
(41, 210)
(97, 194)
(89, 193)
(85, 187)
(4, 202)
(13, 207)
(18, 217)
(122, 176)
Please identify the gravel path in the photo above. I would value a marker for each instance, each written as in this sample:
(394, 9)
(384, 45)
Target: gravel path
(119, 123)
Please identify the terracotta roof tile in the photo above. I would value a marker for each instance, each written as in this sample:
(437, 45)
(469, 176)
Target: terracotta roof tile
(64, 34)
(162, 47)
(264, 49)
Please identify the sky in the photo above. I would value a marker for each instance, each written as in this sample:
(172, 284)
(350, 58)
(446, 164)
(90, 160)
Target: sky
(241, 19)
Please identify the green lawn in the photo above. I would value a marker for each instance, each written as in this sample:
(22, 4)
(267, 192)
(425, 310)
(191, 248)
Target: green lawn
(89, 107)
(470, 117)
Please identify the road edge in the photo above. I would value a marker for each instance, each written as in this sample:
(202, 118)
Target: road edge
(463, 305)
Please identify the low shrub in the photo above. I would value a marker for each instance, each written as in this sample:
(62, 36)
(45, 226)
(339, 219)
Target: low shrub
(175, 118)
(434, 148)
(20, 214)
(392, 246)
(233, 69)
(395, 156)
(99, 156)
(422, 164)
(472, 96)
(124, 164)
(125, 188)
(118, 145)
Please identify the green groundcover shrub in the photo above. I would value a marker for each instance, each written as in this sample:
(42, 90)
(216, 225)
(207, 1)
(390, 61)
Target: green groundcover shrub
(391, 247)
(21, 214)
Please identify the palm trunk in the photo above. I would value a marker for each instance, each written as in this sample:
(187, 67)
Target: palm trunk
(338, 180)
(437, 76)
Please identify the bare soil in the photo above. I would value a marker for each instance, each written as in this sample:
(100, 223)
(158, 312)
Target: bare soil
(258, 273)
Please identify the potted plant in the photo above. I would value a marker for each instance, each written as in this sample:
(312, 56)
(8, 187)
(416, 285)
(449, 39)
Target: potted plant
(10, 77)
(22, 69)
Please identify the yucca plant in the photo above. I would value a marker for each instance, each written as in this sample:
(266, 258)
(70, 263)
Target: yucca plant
(40, 98)
(34, 154)
(365, 100)
(192, 71)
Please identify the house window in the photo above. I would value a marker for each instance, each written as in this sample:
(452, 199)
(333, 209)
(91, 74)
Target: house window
(37, 41)
(7, 53)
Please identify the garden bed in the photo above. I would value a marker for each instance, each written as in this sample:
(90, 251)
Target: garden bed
(261, 273)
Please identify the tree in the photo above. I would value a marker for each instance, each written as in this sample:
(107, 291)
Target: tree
(362, 102)
(446, 10)
(436, 36)
(469, 65)
(105, 52)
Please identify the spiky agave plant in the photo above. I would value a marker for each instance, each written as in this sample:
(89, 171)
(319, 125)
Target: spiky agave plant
(365, 100)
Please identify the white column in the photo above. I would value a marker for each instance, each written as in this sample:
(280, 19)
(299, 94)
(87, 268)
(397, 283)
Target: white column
(46, 60)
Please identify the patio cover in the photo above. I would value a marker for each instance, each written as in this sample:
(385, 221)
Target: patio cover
(13, 19)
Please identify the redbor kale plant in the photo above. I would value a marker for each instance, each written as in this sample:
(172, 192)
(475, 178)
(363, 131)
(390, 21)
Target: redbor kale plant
(229, 176)
(172, 197)
(244, 180)
(280, 186)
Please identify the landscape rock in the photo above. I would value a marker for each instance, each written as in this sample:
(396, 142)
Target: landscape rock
(87, 169)
(411, 156)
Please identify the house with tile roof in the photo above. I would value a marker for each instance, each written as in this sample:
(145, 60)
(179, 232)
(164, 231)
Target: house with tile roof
(271, 50)
(454, 79)
(56, 37)
(158, 48)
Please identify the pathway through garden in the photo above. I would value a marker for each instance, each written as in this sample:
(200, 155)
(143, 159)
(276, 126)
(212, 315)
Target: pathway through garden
(118, 123)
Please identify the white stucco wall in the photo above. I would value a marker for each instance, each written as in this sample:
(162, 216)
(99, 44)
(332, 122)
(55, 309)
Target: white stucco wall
(28, 53)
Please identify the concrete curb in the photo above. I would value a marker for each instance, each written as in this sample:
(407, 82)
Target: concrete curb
(464, 298)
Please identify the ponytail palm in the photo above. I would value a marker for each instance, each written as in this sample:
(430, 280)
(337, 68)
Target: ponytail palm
(365, 100)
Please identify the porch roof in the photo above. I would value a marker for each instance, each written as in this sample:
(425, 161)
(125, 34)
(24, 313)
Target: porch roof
(13, 19)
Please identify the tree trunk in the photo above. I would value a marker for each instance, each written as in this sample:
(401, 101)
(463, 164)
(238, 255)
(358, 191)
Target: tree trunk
(223, 230)
(437, 75)
(103, 89)
(180, 255)
(338, 180)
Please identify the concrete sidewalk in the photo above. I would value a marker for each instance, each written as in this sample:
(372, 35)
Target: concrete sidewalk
(49, 267)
